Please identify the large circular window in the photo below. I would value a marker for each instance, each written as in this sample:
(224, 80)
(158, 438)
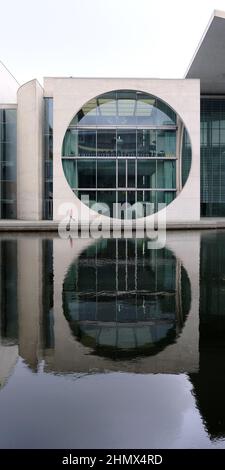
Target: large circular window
(122, 147)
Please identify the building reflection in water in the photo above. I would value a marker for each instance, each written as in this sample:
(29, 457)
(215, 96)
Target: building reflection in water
(111, 305)
(118, 306)
(8, 309)
(123, 300)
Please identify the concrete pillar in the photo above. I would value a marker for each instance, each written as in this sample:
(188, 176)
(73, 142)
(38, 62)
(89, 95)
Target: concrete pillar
(30, 151)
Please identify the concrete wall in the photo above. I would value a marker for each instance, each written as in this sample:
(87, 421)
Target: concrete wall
(182, 95)
(30, 151)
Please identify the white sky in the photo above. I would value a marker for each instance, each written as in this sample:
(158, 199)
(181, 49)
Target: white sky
(99, 38)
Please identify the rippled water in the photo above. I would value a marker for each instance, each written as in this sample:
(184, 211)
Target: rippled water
(111, 345)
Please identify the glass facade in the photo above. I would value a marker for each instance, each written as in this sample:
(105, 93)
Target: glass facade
(48, 159)
(213, 157)
(121, 148)
(8, 292)
(186, 157)
(8, 163)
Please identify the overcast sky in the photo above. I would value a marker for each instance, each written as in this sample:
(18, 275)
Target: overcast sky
(98, 38)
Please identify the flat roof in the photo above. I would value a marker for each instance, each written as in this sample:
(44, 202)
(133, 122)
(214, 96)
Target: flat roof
(208, 62)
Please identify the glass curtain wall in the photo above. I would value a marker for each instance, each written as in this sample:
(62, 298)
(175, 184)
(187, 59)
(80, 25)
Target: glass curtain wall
(213, 157)
(48, 159)
(8, 139)
(121, 147)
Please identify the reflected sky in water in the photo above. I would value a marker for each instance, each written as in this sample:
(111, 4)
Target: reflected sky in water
(112, 345)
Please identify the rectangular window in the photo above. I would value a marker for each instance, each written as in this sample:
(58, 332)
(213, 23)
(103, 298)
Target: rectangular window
(148, 201)
(70, 171)
(146, 174)
(86, 143)
(86, 174)
(121, 199)
(166, 174)
(106, 173)
(8, 163)
(131, 210)
(166, 143)
(213, 157)
(131, 165)
(106, 143)
(48, 146)
(126, 143)
(71, 143)
(122, 173)
(146, 143)
(48, 158)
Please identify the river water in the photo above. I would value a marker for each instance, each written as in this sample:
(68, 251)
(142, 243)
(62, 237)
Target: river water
(109, 344)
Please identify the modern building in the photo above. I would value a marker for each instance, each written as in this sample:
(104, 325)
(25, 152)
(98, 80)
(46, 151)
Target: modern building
(81, 142)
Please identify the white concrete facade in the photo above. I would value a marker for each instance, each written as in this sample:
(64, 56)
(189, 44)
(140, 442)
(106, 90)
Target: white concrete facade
(30, 151)
(69, 354)
(70, 94)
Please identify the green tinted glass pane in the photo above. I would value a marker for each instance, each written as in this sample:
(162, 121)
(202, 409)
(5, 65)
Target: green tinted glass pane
(131, 169)
(122, 205)
(86, 143)
(165, 115)
(131, 205)
(70, 171)
(146, 143)
(70, 143)
(146, 174)
(212, 156)
(164, 197)
(166, 174)
(126, 143)
(166, 143)
(186, 155)
(48, 147)
(86, 173)
(106, 142)
(106, 109)
(148, 201)
(48, 116)
(106, 173)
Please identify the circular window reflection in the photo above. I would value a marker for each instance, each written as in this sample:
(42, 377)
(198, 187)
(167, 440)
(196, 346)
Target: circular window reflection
(127, 149)
(123, 300)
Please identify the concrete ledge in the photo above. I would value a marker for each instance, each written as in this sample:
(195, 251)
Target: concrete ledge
(51, 226)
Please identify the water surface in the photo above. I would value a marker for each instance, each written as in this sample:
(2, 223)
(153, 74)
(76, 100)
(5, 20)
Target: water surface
(110, 344)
